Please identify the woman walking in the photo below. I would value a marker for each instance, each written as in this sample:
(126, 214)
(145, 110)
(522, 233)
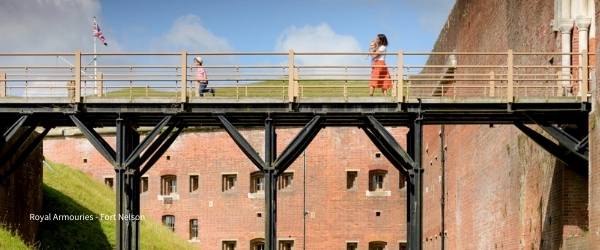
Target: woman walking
(380, 76)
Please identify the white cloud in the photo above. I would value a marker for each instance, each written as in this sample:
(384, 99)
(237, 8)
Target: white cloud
(187, 33)
(322, 38)
(49, 26)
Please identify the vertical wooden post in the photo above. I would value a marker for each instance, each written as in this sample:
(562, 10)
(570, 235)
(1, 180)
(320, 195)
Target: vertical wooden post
(2, 84)
(296, 87)
(584, 76)
(510, 77)
(492, 84)
(400, 77)
(77, 76)
(293, 85)
(183, 76)
(99, 83)
(559, 83)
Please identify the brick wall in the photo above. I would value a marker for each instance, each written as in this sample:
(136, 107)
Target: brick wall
(503, 191)
(340, 215)
(594, 146)
(21, 192)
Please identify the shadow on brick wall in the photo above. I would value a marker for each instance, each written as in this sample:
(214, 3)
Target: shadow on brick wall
(565, 225)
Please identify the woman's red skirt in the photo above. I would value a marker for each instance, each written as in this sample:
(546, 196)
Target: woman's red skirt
(380, 76)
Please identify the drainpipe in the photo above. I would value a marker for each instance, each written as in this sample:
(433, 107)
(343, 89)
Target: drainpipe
(443, 199)
(304, 212)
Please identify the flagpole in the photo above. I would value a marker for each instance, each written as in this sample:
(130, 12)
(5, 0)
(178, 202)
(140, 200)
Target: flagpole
(95, 64)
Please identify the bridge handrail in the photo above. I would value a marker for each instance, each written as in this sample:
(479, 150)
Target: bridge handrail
(509, 75)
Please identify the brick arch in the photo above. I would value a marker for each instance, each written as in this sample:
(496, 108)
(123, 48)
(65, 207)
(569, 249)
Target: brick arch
(168, 172)
(255, 235)
(380, 166)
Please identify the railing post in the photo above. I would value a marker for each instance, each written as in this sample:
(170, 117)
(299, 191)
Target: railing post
(510, 77)
(400, 74)
(296, 87)
(2, 84)
(77, 76)
(183, 76)
(99, 83)
(395, 87)
(492, 84)
(584, 76)
(293, 85)
(559, 83)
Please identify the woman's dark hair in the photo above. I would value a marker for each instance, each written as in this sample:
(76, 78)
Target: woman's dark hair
(383, 39)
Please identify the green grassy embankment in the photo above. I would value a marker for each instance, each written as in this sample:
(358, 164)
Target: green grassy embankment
(70, 192)
(275, 88)
(9, 240)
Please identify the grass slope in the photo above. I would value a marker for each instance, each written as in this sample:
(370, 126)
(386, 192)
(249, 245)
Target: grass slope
(275, 88)
(71, 192)
(9, 240)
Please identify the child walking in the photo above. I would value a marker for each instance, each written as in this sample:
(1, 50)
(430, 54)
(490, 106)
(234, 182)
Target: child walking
(201, 78)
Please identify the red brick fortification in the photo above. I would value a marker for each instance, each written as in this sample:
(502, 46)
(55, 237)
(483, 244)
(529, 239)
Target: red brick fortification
(336, 214)
(503, 191)
(21, 192)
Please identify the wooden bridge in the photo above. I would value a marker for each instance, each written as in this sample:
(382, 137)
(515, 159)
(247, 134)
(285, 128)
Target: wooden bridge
(129, 90)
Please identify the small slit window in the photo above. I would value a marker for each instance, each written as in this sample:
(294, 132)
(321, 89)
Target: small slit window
(377, 180)
(257, 244)
(109, 182)
(169, 222)
(257, 182)
(229, 182)
(285, 181)
(168, 185)
(229, 245)
(351, 179)
(193, 229)
(194, 183)
(377, 245)
(143, 184)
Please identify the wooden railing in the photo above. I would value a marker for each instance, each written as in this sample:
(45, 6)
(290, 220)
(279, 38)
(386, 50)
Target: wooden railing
(505, 76)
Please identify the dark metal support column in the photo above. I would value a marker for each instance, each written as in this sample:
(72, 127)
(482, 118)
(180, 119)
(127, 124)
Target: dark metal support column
(569, 142)
(409, 164)
(273, 166)
(25, 154)
(388, 145)
(127, 160)
(96, 140)
(578, 148)
(569, 158)
(415, 188)
(270, 185)
(298, 145)
(243, 144)
(12, 150)
(13, 129)
(127, 140)
(157, 153)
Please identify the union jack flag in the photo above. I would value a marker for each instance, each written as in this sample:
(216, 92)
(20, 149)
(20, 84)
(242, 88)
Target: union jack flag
(98, 34)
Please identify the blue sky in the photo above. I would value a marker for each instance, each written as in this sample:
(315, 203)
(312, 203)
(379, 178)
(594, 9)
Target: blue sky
(221, 26)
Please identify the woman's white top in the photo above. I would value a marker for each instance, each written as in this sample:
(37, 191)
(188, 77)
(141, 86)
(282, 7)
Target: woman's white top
(381, 57)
